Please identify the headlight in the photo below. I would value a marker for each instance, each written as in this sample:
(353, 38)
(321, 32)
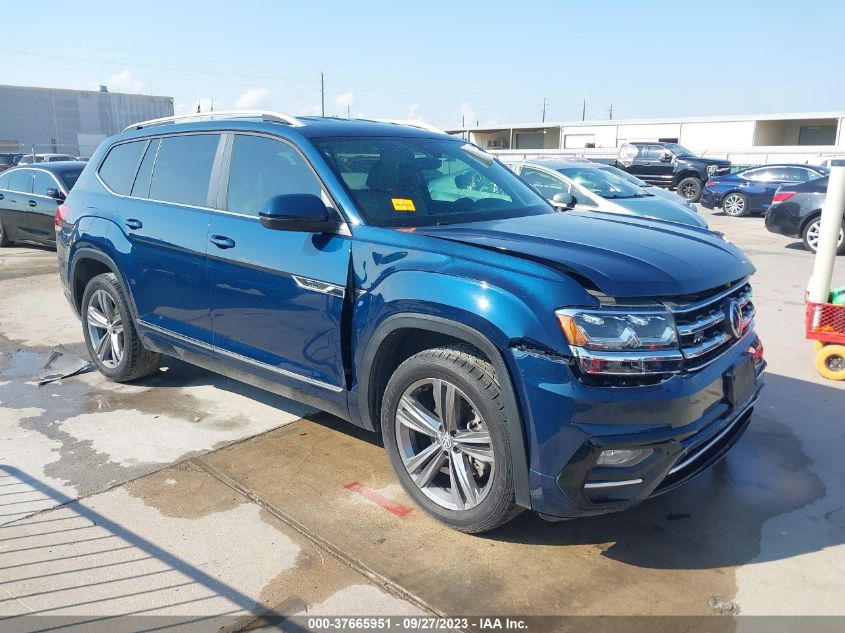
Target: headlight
(711, 169)
(622, 341)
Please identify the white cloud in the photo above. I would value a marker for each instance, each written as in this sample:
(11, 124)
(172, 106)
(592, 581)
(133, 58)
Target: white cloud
(469, 115)
(125, 81)
(252, 99)
(345, 100)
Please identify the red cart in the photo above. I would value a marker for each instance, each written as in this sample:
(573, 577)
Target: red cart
(825, 324)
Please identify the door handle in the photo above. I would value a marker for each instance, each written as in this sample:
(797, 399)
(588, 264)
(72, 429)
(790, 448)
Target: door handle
(221, 241)
(132, 223)
(32, 203)
(2, 197)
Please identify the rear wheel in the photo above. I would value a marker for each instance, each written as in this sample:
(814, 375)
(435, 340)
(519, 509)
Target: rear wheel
(830, 362)
(110, 335)
(810, 237)
(690, 189)
(735, 204)
(443, 424)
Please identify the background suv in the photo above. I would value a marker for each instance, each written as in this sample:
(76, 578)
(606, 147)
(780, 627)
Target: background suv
(511, 356)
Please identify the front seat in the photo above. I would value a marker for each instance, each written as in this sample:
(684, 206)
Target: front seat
(395, 175)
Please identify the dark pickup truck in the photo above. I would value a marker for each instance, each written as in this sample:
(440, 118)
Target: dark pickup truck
(669, 165)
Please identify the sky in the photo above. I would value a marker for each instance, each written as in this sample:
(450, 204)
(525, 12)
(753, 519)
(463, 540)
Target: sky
(441, 61)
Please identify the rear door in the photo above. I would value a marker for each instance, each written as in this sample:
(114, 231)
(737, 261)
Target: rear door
(164, 217)
(276, 296)
(14, 203)
(40, 215)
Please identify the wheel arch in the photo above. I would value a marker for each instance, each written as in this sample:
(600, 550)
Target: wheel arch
(383, 355)
(86, 264)
(805, 222)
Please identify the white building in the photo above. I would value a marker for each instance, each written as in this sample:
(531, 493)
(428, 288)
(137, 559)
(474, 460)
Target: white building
(751, 139)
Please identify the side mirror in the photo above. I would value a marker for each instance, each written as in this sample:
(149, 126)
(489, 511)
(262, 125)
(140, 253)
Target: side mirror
(665, 157)
(54, 193)
(563, 201)
(463, 181)
(297, 212)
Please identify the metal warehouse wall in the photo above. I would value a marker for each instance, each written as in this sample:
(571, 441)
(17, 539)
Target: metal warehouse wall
(70, 121)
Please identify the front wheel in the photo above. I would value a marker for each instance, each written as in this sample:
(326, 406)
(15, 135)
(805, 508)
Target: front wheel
(690, 189)
(443, 424)
(735, 205)
(110, 335)
(810, 236)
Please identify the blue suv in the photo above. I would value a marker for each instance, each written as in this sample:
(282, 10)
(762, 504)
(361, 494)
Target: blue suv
(511, 356)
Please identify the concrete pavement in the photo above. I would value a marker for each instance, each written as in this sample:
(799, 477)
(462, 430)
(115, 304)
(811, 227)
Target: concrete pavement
(192, 495)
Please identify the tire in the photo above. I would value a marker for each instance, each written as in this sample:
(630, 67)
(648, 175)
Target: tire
(110, 334)
(735, 204)
(830, 362)
(810, 236)
(4, 237)
(690, 189)
(468, 494)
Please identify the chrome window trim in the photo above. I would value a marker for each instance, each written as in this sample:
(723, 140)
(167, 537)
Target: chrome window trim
(343, 227)
(61, 186)
(239, 357)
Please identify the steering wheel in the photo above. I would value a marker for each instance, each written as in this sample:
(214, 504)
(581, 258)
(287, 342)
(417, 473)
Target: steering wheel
(461, 205)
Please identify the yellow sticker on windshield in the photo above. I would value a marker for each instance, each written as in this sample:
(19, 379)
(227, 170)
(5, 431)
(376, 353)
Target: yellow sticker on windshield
(403, 204)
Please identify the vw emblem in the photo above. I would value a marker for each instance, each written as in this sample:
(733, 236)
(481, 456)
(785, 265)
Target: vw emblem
(735, 319)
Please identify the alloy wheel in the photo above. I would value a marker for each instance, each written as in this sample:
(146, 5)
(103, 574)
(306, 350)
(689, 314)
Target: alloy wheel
(444, 444)
(733, 204)
(688, 191)
(813, 236)
(105, 328)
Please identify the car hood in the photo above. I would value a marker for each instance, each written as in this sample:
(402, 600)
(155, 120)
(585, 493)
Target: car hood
(661, 209)
(623, 256)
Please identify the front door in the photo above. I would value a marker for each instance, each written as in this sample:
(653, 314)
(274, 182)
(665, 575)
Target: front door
(15, 189)
(276, 296)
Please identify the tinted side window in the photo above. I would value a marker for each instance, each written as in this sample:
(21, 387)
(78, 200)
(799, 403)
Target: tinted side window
(652, 152)
(545, 184)
(183, 169)
(43, 182)
(118, 170)
(4, 180)
(141, 188)
(21, 180)
(263, 168)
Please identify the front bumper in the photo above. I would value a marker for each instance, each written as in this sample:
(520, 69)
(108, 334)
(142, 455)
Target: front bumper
(688, 421)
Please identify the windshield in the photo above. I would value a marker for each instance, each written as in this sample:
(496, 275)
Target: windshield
(624, 175)
(408, 182)
(679, 150)
(603, 183)
(69, 178)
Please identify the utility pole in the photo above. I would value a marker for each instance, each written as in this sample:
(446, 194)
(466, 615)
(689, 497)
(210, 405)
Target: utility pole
(584, 110)
(611, 112)
(322, 95)
(545, 103)
(463, 120)
(348, 111)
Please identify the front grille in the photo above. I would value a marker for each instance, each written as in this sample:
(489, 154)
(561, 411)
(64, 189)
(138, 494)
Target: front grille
(704, 328)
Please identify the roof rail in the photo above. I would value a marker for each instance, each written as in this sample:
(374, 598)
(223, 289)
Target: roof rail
(264, 115)
(411, 123)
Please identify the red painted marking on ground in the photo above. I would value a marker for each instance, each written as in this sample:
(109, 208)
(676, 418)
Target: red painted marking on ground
(371, 495)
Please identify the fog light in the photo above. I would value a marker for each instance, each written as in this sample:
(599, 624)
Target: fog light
(620, 458)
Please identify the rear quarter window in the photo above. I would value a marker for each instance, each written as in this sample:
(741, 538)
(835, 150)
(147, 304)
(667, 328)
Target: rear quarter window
(119, 167)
